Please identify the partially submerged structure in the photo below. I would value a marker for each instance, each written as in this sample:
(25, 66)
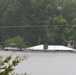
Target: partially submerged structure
(50, 48)
(71, 44)
(12, 47)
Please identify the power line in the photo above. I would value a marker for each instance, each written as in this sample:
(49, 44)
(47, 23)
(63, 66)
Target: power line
(34, 26)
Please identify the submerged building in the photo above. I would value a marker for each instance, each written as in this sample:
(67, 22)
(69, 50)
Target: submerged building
(50, 48)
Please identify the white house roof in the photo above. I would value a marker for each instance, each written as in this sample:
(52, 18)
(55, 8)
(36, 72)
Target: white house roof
(51, 47)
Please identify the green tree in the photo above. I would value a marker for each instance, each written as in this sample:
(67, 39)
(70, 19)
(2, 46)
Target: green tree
(73, 33)
(69, 11)
(59, 21)
(19, 41)
(32, 18)
(58, 30)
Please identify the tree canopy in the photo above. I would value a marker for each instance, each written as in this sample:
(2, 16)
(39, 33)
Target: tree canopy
(38, 21)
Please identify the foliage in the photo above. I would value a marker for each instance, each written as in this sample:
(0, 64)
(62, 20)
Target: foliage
(74, 21)
(73, 33)
(8, 64)
(59, 21)
(19, 41)
(31, 19)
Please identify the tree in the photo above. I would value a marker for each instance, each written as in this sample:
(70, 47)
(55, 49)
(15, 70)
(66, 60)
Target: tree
(59, 21)
(31, 18)
(58, 34)
(69, 10)
(73, 33)
(19, 41)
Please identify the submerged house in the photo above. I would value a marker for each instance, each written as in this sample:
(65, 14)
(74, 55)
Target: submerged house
(50, 48)
(71, 44)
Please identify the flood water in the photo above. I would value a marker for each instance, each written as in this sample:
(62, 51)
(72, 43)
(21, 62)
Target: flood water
(49, 64)
(46, 63)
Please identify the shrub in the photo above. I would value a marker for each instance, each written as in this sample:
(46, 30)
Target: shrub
(8, 64)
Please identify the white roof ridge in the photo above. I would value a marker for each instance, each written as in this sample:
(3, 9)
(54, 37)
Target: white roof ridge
(50, 47)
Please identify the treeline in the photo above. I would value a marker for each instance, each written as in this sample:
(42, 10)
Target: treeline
(38, 21)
